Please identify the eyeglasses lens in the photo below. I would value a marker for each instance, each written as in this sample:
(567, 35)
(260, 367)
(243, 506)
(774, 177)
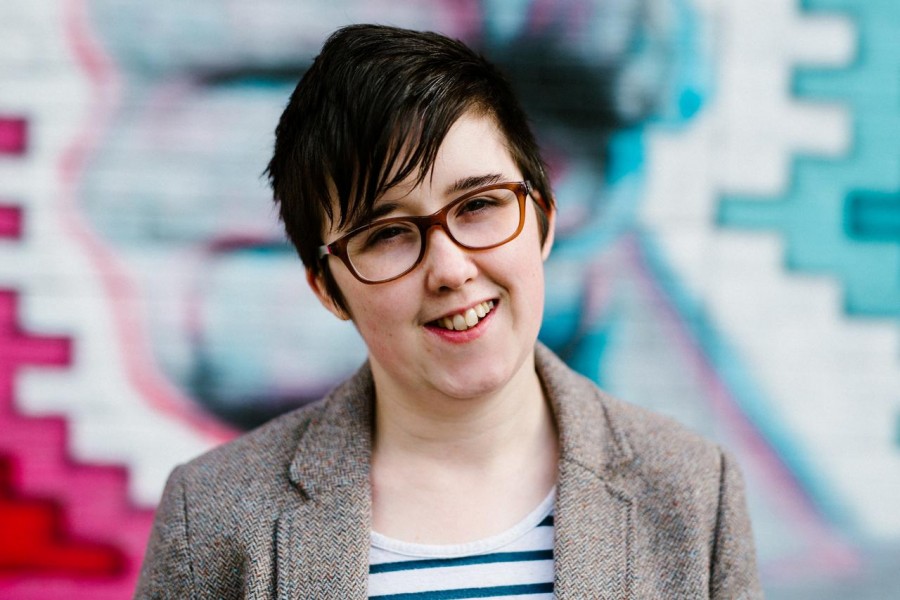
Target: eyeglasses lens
(392, 247)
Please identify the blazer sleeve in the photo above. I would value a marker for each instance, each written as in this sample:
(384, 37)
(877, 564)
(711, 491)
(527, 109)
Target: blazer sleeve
(733, 572)
(166, 571)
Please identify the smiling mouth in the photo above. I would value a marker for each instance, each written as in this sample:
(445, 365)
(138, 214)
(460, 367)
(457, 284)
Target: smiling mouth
(465, 320)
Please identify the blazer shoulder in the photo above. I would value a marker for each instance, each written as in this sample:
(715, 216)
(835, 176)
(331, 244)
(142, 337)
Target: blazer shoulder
(689, 499)
(258, 455)
(659, 442)
(652, 432)
(598, 427)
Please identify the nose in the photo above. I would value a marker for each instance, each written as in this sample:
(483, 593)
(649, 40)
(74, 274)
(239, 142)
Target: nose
(447, 265)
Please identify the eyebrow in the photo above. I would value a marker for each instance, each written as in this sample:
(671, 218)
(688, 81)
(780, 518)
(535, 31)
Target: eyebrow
(476, 181)
(461, 185)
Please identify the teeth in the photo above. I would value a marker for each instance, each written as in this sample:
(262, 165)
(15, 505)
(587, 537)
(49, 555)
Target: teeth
(470, 318)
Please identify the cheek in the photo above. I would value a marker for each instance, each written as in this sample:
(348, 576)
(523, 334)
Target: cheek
(379, 315)
(525, 262)
(535, 285)
(525, 275)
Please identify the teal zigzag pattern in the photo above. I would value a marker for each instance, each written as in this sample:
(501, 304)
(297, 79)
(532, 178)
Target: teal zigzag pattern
(841, 216)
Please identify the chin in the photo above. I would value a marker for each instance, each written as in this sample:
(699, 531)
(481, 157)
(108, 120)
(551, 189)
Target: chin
(474, 385)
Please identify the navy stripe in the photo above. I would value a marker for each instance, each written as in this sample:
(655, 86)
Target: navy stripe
(547, 522)
(479, 559)
(484, 592)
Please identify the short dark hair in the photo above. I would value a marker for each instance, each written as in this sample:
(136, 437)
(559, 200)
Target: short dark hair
(374, 108)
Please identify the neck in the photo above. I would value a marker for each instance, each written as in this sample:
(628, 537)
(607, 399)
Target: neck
(466, 432)
(447, 470)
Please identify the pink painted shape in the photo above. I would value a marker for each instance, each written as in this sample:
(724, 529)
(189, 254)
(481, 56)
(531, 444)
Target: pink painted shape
(10, 221)
(45, 466)
(13, 135)
(18, 349)
(94, 497)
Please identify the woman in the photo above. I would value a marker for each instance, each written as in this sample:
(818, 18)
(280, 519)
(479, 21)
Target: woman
(464, 460)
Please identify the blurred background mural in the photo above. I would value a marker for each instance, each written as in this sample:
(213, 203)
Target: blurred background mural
(728, 176)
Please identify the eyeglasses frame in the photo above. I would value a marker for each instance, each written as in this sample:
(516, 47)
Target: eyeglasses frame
(338, 247)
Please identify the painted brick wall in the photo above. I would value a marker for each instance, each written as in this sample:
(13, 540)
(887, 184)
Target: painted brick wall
(728, 253)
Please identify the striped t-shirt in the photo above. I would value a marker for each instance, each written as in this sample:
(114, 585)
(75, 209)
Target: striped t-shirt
(515, 564)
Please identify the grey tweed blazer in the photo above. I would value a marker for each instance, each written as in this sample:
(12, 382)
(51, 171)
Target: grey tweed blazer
(644, 509)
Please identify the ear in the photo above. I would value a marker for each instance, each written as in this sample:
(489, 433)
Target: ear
(317, 285)
(551, 224)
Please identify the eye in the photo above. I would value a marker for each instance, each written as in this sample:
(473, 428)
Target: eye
(486, 205)
(475, 204)
(478, 205)
(392, 233)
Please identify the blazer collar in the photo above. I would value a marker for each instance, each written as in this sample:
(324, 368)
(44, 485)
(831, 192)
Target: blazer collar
(594, 516)
(335, 450)
(587, 434)
(322, 543)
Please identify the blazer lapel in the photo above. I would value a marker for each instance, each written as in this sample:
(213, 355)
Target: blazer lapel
(593, 548)
(322, 542)
(322, 550)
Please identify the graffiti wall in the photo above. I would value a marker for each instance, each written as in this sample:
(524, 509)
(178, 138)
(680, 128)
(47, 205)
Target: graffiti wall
(728, 253)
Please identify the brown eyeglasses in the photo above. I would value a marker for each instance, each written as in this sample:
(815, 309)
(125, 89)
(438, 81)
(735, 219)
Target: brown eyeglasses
(390, 248)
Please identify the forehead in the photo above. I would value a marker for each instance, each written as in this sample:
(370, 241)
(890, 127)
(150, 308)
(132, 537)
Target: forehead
(473, 153)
